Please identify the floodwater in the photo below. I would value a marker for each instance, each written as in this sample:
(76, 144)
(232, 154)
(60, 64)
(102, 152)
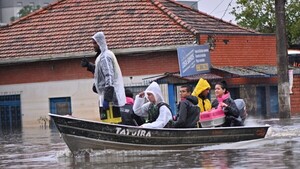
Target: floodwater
(43, 148)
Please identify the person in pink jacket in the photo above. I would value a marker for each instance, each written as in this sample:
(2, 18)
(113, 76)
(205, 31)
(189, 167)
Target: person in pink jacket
(226, 103)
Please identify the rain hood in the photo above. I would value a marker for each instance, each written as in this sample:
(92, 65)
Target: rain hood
(200, 87)
(155, 90)
(203, 103)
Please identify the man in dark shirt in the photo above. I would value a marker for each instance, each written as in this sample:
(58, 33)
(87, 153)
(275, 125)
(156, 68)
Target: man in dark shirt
(188, 110)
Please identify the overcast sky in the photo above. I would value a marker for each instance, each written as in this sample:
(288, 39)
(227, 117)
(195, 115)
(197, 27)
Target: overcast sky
(217, 8)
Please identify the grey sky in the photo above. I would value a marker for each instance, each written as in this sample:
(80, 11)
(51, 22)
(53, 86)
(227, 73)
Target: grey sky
(217, 8)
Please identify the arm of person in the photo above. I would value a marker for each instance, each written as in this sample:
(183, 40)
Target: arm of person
(231, 108)
(215, 104)
(108, 72)
(164, 117)
(182, 112)
(139, 107)
(91, 67)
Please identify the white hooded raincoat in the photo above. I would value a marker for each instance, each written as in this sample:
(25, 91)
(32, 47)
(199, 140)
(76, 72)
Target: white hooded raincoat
(141, 108)
(108, 73)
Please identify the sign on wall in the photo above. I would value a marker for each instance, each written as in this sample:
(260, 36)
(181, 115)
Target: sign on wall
(193, 60)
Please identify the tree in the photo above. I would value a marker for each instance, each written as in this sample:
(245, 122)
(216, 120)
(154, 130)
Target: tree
(25, 11)
(260, 16)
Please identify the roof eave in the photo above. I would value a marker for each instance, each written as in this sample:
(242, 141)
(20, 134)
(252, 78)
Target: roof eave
(236, 33)
(147, 49)
(77, 55)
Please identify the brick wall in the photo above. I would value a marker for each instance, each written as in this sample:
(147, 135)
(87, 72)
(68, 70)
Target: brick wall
(295, 97)
(242, 50)
(43, 72)
(257, 81)
(151, 63)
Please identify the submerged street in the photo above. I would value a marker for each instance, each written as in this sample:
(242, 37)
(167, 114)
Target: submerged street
(43, 148)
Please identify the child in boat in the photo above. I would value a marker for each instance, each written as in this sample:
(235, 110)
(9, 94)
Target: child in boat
(156, 111)
(227, 104)
(188, 110)
(201, 91)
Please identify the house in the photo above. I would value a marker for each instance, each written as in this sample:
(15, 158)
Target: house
(40, 56)
(11, 8)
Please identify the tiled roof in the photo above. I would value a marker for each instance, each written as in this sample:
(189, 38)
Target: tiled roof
(247, 71)
(176, 78)
(254, 71)
(64, 28)
(242, 71)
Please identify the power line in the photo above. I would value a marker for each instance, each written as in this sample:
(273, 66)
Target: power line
(226, 9)
(217, 7)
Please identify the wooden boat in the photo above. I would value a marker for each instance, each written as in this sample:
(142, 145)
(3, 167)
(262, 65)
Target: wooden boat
(80, 134)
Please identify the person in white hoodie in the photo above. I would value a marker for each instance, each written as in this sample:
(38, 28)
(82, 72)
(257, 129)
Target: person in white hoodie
(155, 110)
(108, 78)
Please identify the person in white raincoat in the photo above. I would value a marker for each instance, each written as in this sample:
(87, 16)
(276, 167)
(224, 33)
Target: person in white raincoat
(155, 109)
(108, 78)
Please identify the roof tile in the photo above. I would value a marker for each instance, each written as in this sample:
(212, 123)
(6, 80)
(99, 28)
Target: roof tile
(67, 26)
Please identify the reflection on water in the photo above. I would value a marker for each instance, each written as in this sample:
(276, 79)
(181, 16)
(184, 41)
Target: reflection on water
(43, 148)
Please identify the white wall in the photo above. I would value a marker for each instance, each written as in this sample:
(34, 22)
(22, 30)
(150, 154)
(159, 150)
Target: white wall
(35, 99)
(84, 102)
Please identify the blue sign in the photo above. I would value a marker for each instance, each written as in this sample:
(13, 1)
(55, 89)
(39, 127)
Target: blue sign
(193, 60)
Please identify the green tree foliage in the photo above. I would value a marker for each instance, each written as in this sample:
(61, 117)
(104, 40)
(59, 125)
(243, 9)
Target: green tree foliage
(260, 16)
(25, 11)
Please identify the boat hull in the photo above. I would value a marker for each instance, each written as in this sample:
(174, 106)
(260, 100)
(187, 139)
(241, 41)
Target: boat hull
(82, 134)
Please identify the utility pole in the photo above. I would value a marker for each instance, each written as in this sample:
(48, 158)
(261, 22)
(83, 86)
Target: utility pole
(282, 61)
